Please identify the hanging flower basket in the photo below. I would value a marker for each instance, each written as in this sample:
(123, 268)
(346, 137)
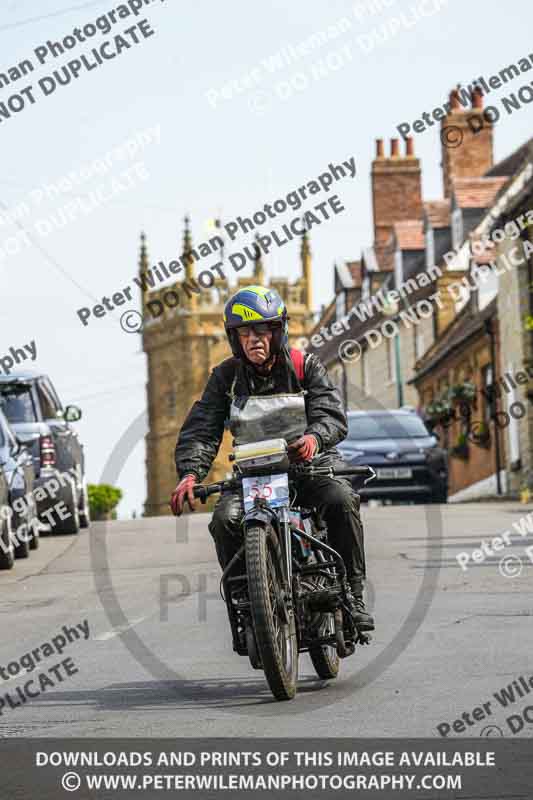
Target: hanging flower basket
(440, 412)
(479, 434)
(463, 392)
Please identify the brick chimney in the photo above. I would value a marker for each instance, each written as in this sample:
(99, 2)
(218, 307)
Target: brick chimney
(467, 150)
(396, 189)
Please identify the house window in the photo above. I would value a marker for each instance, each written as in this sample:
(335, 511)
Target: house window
(487, 384)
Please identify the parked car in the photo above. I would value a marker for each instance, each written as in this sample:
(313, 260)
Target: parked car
(35, 412)
(408, 461)
(16, 464)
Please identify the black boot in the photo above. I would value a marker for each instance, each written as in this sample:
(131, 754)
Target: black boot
(363, 620)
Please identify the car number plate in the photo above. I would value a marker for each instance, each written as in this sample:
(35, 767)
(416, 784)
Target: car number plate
(394, 473)
(272, 488)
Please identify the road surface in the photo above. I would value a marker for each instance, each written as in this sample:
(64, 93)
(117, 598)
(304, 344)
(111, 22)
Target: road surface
(158, 660)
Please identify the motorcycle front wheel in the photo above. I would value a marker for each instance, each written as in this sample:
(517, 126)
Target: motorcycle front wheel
(275, 629)
(325, 657)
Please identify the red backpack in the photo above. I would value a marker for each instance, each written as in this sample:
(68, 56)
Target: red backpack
(298, 358)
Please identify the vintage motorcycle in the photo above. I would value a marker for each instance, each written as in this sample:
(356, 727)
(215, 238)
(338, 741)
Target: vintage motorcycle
(285, 589)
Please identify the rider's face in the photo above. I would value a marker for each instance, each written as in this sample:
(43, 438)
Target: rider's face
(256, 346)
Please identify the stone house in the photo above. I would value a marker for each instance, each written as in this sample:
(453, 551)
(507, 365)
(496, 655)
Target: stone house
(478, 331)
(401, 271)
(489, 343)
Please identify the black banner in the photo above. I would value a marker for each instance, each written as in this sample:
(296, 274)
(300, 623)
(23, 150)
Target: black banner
(465, 769)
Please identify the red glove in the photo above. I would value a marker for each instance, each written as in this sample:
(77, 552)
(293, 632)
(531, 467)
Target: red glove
(182, 492)
(303, 449)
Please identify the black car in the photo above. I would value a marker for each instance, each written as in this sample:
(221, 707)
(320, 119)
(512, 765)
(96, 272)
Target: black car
(19, 533)
(35, 412)
(408, 461)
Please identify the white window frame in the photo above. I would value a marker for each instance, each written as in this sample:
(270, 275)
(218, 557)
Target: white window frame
(340, 305)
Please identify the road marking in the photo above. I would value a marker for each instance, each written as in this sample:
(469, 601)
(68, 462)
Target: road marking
(104, 637)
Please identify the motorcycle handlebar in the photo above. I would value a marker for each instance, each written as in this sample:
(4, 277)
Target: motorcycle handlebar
(202, 492)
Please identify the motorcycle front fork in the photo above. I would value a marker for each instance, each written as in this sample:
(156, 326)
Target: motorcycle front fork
(286, 544)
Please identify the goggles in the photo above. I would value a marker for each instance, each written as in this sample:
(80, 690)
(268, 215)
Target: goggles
(259, 328)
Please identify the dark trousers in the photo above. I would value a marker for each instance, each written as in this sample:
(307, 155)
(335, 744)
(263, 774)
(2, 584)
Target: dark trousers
(333, 497)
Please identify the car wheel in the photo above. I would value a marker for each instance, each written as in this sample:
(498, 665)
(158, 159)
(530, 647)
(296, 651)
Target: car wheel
(7, 552)
(440, 497)
(35, 540)
(72, 523)
(22, 548)
(85, 514)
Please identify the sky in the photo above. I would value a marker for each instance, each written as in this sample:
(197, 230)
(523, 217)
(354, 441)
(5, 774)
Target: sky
(224, 108)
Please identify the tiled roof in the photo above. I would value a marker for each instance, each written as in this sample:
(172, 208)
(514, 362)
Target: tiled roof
(358, 325)
(409, 235)
(510, 165)
(465, 325)
(438, 213)
(476, 192)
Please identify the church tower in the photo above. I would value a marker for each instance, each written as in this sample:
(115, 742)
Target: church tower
(184, 338)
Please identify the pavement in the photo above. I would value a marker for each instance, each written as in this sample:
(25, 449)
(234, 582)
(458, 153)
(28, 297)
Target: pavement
(158, 660)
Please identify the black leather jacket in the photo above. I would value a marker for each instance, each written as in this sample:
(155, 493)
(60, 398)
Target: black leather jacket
(201, 434)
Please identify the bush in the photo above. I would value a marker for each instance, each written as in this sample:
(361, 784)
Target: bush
(103, 499)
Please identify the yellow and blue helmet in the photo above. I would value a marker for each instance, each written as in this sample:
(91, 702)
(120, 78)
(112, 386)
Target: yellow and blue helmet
(256, 304)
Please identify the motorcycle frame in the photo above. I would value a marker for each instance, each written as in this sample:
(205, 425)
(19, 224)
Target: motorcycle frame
(278, 518)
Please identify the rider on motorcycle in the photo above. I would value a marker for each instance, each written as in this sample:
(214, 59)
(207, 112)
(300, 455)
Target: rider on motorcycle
(256, 324)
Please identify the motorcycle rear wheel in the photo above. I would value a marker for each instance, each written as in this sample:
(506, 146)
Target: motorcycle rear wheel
(275, 637)
(325, 657)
